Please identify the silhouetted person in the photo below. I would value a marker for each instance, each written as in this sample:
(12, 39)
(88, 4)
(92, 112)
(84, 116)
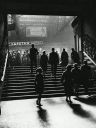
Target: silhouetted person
(27, 56)
(86, 75)
(24, 59)
(18, 58)
(9, 59)
(39, 85)
(76, 75)
(44, 62)
(75, 56)
(54, 61)
(66, 79)
(13, 59)
(33, 57)
(64, 59)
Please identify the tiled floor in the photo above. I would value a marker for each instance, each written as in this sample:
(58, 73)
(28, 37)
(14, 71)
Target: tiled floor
(55, 113)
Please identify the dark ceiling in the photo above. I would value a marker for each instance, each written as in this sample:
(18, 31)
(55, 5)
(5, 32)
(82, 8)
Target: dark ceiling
(49, 7)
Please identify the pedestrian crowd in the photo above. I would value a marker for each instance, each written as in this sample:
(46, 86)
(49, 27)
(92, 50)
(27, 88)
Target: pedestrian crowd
(74, 74)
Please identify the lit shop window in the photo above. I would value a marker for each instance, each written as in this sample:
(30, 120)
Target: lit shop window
(10, 19)
(36, 31)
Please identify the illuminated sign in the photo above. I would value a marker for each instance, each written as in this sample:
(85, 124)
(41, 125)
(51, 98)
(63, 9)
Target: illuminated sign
(33, 31)
(25, 43)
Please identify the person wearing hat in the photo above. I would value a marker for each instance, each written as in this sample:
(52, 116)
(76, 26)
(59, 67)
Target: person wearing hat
(39, 85)
(75, 56)
(86, 75)
(76, 75)
(44, 62)
(33, 57)
(64, 59)
(54, 61)
(66, 80)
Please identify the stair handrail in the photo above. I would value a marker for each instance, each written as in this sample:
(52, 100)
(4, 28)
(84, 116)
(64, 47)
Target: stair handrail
(89, 58)
(4, 69)
(3, 76)
(92, 69)
(90, 47)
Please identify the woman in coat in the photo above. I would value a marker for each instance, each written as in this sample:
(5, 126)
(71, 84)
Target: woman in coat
(39, 85)
(66, 80)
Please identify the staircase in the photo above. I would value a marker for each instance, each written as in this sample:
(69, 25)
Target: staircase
(19, 84)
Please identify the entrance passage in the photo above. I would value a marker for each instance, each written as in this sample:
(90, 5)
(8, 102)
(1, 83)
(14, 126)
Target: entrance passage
(45, 32)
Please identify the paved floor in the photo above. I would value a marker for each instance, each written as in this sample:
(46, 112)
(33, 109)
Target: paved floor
(55, 113)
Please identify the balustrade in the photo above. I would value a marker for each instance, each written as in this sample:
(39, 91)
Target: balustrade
(89, 46)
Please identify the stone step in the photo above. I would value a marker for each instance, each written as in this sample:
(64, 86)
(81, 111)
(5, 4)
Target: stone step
(47, 78)
(20, 78)
(30, 82)
(29, 85)
(20, 84)
(32, 88)
(47, 85)
(31, 79)
(29, 72)
(30, 96)
(28, 69)
(25, 88)
(48, 65)
(33, 92)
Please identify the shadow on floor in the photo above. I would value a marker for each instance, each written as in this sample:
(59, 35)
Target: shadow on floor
(43, 116)
(1, 126)
(55, 102)
(51, 101)
(78, 110)
(91, 100)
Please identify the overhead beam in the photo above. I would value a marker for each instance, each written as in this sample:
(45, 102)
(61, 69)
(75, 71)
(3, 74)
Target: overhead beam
(39, 7)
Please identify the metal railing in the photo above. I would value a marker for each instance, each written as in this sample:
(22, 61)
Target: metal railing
(89, 58)
(5, 65)
(3, 75)
(89, 47)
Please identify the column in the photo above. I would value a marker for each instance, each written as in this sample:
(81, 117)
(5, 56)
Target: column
(82, 33)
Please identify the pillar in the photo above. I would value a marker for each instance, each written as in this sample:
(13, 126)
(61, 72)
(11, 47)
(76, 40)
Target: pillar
(82, 33)
(75, 42)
